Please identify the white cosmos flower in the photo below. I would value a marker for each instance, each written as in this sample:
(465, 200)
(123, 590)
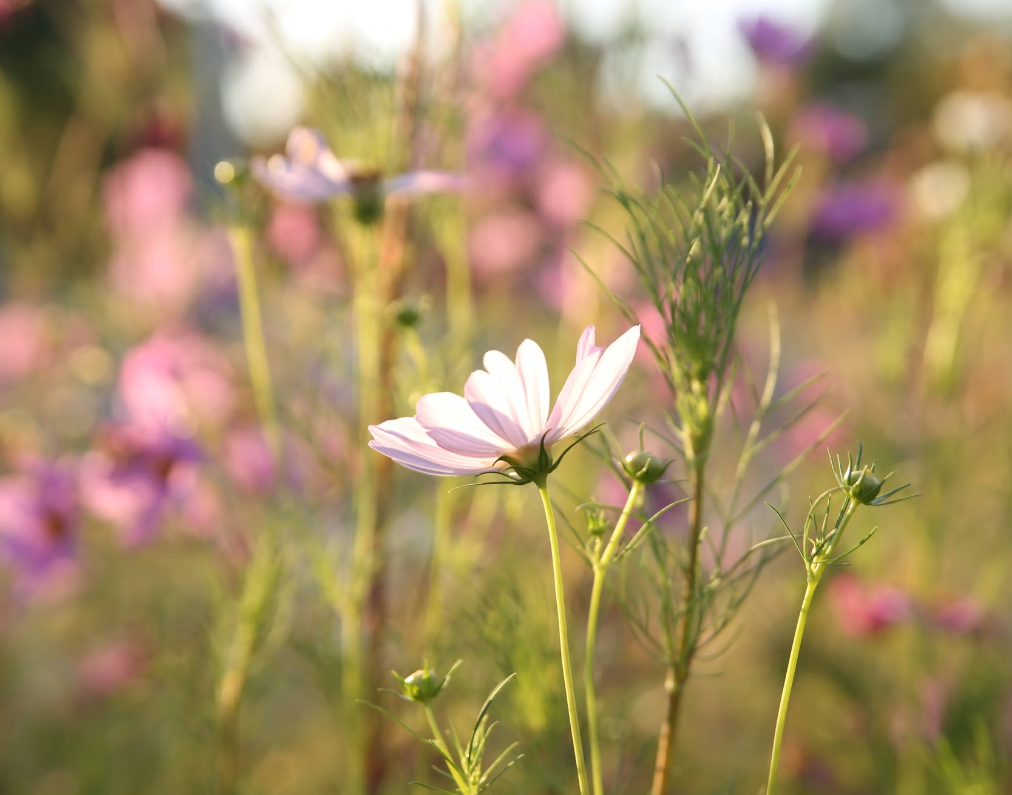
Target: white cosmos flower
(504, 410)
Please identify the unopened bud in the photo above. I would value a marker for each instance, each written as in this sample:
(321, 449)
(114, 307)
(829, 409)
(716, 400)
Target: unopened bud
(862, 485)
(644, 467)
(422, 686)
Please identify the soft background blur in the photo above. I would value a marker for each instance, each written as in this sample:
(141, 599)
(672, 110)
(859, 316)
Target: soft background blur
(134, 473)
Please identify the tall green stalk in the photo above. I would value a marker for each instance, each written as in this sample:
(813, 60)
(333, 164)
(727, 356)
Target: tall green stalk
(815, 570)
(601, 565)
(567, 667)
(679, 665)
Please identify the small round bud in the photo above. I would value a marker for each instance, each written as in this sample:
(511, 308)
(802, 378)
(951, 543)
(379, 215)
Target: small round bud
(224, 172)
(408, 314)
(422, 686)
(644, 467)
(862, 485)
(597, 524)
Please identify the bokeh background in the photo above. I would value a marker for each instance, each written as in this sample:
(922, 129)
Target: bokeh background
(134, 472)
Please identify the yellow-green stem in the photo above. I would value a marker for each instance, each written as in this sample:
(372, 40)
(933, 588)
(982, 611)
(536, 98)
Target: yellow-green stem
(600, 571)
(815, 571)
(567, 667)
(437, 736)
(253, 336)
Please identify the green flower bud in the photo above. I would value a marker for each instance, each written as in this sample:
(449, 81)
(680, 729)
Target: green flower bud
(644, 467)
(422, 686)
(407, 314)
(597, 524)
(862, 485)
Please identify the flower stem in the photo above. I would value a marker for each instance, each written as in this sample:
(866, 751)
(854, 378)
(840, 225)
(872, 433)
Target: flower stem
(567, 667)
(816, 569)
(600, 571)
(678, 666)
(437, 738)
(253, 337)
(785, 696)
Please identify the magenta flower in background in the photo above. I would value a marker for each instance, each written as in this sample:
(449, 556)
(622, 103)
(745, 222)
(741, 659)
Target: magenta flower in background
(855, 208)
(777, 44)
(39, 517)
(310, 172)
(504, 410)
(836, 133)
(505, 145)
(865, 610)
(175, 382)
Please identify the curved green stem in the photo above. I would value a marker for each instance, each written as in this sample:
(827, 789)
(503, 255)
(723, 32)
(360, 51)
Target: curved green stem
(567, 667)
(600, 571)
(785, 696)
(816, 569)
(437, 738)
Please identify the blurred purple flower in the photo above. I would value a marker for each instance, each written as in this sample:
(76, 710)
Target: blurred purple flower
(963, 616)
(855, 208)
(506, 144)
(836, 133)
(310, 172)
(172, 382)
(39, 516)
(864, 610)
(136, 476)
(775, 43)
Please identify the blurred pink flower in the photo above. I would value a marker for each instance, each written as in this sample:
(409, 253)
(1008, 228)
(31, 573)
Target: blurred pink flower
(294, 233)
(159, 270)
(864, 609)
(23, 338)
(505, 145)
(524, 43)
(149, 190)
(504, 410)
(108, 669)
(836, 133)
(39, 517)
(564, 193)
(504, 241)
(174, 382)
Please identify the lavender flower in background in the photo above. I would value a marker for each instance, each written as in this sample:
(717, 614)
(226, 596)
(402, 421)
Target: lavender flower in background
(963, 616)
(39, 517)
(310, 172)
(505, 146)
(847, 210)
(776, 44)
(839, 135)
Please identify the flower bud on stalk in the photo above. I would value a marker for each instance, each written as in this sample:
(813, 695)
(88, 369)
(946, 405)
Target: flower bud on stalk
(644, 467)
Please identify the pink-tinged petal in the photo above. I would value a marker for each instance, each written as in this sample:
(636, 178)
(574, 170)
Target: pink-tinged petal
(586, 347)
(533, 370)
(307, 146)
(451, 423)
(491, 400)
(425, 182)
(505, 372)
(587, 393)
(406, 442)
(309, 173)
